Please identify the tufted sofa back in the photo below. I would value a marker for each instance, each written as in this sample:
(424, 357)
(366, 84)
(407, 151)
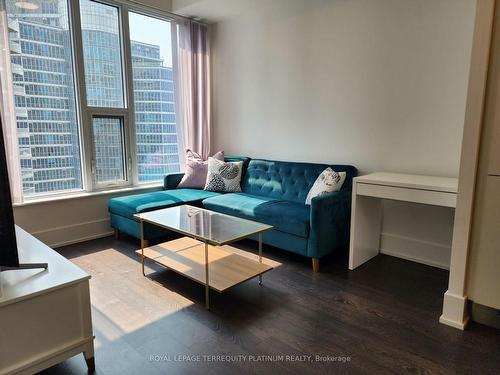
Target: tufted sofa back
(286, 180)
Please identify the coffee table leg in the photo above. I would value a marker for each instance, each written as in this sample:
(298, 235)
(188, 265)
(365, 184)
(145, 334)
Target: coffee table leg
(207, 287)
(142, 247)
(260, 255)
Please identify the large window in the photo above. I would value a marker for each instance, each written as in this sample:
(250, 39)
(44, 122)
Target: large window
(42, 66)
(94, 95)
(156, 135)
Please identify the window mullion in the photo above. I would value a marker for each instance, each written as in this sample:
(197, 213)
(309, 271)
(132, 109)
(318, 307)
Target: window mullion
(128, 72)
(84, 115)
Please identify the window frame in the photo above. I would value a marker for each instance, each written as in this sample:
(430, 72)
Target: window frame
(88, 112)
(123, 115)
(85, 113)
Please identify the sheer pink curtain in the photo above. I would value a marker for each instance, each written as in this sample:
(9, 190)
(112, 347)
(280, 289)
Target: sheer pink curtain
(8, 112)
(192, 85)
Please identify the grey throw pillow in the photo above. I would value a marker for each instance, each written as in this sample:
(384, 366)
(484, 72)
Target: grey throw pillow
(327, 181)
(224, 176)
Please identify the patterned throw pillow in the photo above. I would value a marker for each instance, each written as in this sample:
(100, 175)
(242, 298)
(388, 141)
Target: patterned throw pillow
(327, 181)
(195, 175)
(223, 176)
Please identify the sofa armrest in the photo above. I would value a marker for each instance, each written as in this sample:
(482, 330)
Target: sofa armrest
(172, 180)
(330, 223)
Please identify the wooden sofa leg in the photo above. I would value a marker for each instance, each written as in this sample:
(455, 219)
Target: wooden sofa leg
(315, 262)
(117, 234)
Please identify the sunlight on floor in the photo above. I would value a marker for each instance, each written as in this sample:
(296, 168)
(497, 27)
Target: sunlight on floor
(114, 310)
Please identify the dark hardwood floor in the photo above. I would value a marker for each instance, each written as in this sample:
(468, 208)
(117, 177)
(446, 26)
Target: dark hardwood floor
(381, 318)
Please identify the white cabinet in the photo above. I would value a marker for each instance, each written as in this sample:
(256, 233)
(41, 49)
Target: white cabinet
(45, 315)
(484, 262)
(483, 276)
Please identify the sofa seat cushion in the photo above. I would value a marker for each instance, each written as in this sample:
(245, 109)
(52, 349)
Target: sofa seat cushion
(129, 205)
(285, 216)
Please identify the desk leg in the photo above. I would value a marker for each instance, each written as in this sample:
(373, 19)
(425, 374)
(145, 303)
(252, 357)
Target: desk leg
(260, 255)
(142, 247)
(207, 285)
(366, 219)
(89, 359)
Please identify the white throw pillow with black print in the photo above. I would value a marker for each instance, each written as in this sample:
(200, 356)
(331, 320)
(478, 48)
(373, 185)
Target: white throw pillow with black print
(327, 181)
(224, 176)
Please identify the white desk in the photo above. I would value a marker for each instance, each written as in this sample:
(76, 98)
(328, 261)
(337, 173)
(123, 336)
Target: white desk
(367, 194)
(44, 314)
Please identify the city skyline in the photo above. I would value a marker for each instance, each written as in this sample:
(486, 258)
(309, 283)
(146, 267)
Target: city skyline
(46, 106)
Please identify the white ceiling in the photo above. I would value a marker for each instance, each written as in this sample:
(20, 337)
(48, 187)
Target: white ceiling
(211, 10)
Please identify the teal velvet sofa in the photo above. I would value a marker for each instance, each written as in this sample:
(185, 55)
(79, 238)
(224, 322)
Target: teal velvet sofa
(273, 192)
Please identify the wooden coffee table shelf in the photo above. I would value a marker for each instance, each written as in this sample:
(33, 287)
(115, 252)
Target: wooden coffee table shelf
(204, 254)
(228, 265)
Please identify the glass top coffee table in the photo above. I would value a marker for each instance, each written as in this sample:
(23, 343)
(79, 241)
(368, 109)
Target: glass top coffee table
(204, 254)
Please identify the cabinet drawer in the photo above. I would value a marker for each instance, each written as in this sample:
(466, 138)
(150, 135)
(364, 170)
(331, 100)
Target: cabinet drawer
(437, 198)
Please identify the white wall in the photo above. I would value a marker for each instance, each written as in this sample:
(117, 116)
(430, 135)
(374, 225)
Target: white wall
(380, 84)
(66, 221)
(376, 83)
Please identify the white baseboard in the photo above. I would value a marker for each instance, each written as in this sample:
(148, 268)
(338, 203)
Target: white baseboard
(453, 323)
(417, 250)
(82, 239)
(74, 233)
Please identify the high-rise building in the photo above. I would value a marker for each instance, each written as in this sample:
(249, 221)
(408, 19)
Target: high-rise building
(42, 75)
(156, 133)
(45, 99)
